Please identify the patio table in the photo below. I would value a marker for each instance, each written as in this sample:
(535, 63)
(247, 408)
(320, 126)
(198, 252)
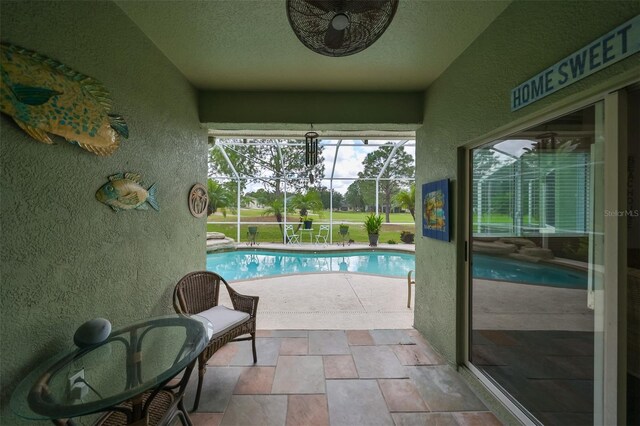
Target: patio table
(308, 231)
(114, 374)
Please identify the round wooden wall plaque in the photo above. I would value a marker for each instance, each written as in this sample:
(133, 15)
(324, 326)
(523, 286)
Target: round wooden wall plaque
(198, 200)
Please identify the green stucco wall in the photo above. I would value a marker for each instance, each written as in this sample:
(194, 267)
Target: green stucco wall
(471, 99)
(67, 258)
(325, 110)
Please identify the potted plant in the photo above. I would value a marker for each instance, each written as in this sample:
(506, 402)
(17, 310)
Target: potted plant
(307, 221)
(372, 224)
(310, 201)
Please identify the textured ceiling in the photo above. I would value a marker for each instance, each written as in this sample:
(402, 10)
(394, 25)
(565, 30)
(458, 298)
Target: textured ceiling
(249, 45)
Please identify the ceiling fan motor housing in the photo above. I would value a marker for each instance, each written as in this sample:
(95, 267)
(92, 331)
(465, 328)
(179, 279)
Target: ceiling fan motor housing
(340, 27)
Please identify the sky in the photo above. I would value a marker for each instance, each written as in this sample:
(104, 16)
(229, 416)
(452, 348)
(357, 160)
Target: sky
(349, 161)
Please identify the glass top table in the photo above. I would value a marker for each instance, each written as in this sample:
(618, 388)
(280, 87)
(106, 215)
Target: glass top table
(134, 359)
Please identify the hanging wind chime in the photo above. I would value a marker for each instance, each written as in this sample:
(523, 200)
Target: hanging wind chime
(311, 152)
(311, 149)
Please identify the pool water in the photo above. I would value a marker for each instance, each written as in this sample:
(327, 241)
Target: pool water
(512, 270)
(242, 265)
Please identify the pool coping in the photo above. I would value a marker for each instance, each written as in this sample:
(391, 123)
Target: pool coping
(393, 277)
(317, 248)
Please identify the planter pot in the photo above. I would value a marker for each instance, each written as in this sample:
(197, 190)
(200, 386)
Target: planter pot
(308, 224)
(373, 240)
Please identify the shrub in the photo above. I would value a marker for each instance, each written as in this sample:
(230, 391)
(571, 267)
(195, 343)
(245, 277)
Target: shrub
(407, 237)
(392, 242)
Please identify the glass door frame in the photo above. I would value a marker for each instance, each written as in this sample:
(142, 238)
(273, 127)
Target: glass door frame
(613, 407)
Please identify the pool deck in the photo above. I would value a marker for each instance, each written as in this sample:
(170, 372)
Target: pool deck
(329, 301)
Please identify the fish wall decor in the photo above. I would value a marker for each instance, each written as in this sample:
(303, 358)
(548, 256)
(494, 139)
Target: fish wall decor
(44, 96)
(124, 191)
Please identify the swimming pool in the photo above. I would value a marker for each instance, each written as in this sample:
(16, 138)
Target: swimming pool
(245, 264)
(505, 269)
(242, 265)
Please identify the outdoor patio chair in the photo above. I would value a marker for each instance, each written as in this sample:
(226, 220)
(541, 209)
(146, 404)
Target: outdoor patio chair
(198, 293)
(252, 234)
(165, 406)
(290, 235)
(323, 234)
(409, 282)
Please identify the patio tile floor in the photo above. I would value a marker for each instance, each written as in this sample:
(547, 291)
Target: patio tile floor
(377, 362)
(298, 375)
(255, 380)
(339, 367)
(331, 378)
(328, 342)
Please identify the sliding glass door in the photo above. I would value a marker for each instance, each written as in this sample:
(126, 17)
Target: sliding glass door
(536, 291)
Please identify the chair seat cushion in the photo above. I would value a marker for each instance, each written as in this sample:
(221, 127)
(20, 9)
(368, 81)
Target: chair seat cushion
(223, 319)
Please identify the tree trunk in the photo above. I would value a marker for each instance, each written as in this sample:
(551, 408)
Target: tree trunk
(279, 219)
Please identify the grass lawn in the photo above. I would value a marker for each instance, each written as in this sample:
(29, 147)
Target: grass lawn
(358, 217)
(270, 232)
(255, 215)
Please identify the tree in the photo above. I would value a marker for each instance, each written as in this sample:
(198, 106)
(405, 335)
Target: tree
(276, 208)
(406, 199)
(264, 163)
(264, 197)
(338, 200)
(353, 197)
(400, 166)
(220, 197)
(309, 201)
(325, 196)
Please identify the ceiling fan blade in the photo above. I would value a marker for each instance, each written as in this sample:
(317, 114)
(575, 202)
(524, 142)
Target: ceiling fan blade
(333, 38)
(359, 6)
(326, 5)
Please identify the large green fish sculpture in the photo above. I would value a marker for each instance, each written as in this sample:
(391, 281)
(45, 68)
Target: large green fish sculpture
(124, 191)
(44, 96)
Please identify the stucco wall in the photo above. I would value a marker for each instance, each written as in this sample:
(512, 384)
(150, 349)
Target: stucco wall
(67, 258)
(471, 99)
(326, 110)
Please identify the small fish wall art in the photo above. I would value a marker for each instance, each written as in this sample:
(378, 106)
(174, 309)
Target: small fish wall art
(44, 96)
(124, 191)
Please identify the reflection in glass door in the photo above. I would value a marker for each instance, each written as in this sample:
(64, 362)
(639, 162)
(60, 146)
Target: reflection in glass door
(536, 292)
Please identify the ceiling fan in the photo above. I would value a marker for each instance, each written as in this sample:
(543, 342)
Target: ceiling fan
(340, 27)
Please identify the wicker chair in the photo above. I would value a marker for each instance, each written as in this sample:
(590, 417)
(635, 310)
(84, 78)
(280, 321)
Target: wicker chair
(198, 293)
(160, 407)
